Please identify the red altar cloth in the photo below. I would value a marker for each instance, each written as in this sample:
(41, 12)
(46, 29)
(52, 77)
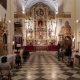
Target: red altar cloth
(52, 48)
(30, 48)
(35, 48)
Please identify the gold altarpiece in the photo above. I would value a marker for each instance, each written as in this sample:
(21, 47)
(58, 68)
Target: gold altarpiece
(66, 35)
(3, 38)
(40, 25)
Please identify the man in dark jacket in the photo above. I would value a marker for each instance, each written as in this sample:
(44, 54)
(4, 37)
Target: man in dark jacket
(18, 60)
(68, 53)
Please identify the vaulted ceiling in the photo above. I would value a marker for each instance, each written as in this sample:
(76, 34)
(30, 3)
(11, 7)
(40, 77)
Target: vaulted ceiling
(25, 5)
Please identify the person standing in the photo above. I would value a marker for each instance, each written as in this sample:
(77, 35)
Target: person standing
(18, 60)
(68, 54)
(58, 51)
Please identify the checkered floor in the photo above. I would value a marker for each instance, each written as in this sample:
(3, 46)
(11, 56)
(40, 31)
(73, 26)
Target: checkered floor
(44, 65)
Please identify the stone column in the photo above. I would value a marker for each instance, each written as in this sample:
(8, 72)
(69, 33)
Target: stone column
(74, 23)
(10, 22)
(24, 32)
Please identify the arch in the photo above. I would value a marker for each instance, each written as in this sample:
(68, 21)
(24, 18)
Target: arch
(27, 4)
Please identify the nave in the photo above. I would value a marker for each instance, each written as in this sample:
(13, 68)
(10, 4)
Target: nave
(43, 65)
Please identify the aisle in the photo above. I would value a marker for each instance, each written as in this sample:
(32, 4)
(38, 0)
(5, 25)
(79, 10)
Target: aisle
(44, 66)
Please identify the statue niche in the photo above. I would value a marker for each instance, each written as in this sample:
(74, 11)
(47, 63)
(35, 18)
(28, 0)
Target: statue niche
(40, 23)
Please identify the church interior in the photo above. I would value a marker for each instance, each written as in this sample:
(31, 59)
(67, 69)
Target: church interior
(44, 35)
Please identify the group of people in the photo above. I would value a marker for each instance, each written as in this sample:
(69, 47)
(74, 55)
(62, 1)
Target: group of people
(5, 69)
(18, 60)
(5, 66)
(65, 54)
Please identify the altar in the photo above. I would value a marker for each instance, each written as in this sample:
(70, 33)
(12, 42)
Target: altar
(33, 48)
(40, 30)
(42, 27)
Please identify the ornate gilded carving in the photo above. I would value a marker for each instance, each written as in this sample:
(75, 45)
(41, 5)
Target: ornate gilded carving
(43, 22)
(63, 15)
(66, 30)
(3, 39)
(41, 14)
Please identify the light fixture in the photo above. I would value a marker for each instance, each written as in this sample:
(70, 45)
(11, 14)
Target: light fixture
(23, 9)
(56, 12)
(9, 21)
(73, 39)
(77, 21)
(28, 34)
(23, 12)
(13, 42)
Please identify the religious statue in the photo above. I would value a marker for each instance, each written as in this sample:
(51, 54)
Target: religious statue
(67, 35)
(49, 32)
(40, 23)
(66, 30)
(40, 12)
(30, 31)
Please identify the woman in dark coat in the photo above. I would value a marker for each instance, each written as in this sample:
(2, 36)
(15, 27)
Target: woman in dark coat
(58, 51)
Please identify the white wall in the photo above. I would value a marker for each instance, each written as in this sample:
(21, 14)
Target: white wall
(78, 9)
(78, 23)
(68, 5)
(15, 5)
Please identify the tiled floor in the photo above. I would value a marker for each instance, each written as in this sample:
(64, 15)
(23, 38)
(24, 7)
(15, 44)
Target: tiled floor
(44, 66)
